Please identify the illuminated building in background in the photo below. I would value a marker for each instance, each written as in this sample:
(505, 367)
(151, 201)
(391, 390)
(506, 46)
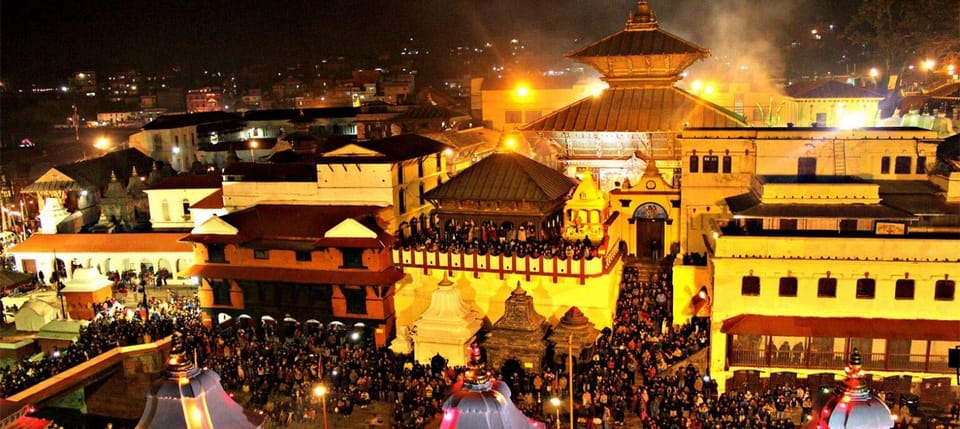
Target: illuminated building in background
(206, 99)
(639, 114)
(818, 241)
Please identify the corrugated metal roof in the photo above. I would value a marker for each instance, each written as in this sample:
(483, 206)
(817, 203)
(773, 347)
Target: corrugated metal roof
(305, 223)
(96, 172)
(165, 122)
(428, 111)
(648, 41)
(828, 89)
(748, 205)
(505, 177)
(638, 110)
(212, 201)
(394, 149)
(189, 181)
(103, 243)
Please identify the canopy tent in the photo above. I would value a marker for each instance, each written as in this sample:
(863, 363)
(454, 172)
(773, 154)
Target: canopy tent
(34, 314)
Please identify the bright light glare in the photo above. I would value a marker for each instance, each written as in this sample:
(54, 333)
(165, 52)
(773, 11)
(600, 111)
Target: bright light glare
(874, 72)
(102, 143)
(696, 85)
(555, 401)
(928, 64)
(320, 390)
(849, 120)
(523, 91)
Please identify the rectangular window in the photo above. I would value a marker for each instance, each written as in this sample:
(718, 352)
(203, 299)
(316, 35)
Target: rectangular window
(902, 165)
(788, 224)
(726, 166)
(885, 165)
(904, 289)
(186, 209)
(261, 254)
(866, 288)
(710, 164)
(750, 285)
(420, 168)
(352, 257)
(216, 253)
(303, 255)
(921, 165)
(422, 200)
(400, 174)
(788, 286)
(694, 164)
(221, 291)
(827, 287)
(821, 119)
(807, 167)
(320, 295)
(944, 290)
(356, 299)
(439, 165)
(848, 225)
(513, 116)
(532, 115)
(402, 201)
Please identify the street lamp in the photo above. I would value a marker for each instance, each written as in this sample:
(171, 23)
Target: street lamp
(555, 401)
(321, 392)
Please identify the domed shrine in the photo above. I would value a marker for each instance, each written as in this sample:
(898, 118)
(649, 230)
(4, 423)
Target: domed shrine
(480, 401)
(854, 407)
(190, 397)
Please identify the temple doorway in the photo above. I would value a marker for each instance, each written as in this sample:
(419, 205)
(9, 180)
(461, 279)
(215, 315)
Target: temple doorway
(512, 373)
(649, 219)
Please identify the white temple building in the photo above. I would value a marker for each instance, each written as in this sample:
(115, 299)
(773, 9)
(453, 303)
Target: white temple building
(447, 327)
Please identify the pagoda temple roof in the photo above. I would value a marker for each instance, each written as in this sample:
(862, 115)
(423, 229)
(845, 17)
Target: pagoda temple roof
(639, 41)
(643, 109)
(505, 176)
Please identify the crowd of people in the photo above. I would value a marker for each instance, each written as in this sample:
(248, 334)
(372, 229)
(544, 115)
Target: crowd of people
(635, 370)
(111, 328)
(488, 239)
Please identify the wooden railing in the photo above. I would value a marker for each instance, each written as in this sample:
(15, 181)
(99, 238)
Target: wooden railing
(529, 267)
(835, 360)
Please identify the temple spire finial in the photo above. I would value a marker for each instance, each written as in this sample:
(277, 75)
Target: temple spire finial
(643, 17)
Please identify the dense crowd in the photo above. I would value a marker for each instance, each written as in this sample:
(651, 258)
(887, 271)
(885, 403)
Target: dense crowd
(488, 239)
(634, 370)
(111, 328)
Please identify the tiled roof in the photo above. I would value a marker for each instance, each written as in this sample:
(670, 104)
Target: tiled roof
(304, 223)
(212, 201)
(165, 122)
(97, 171)
(271, 274)
(664, 109)
(103, 243)
(828, 89)
(271, 172)
(505, 177)
(189, 181)
(628, 42)
(394, 149)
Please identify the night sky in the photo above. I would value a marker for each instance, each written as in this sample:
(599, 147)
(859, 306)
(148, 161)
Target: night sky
(49, 39)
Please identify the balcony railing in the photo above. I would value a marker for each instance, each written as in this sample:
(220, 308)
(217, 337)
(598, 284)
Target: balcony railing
(553, 268)
(833, 360)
